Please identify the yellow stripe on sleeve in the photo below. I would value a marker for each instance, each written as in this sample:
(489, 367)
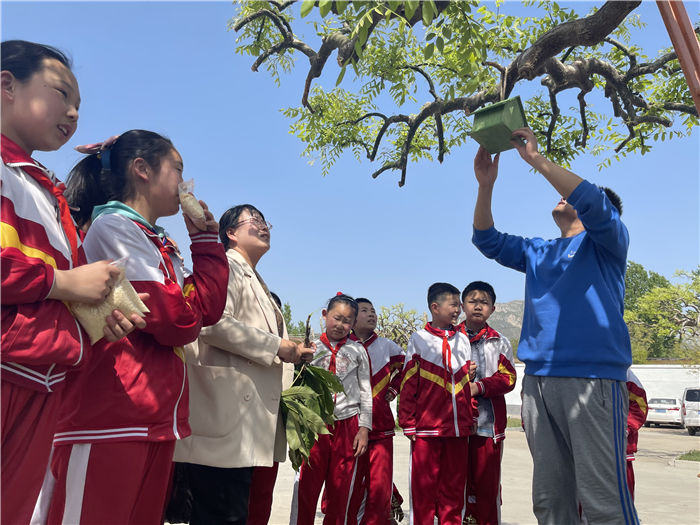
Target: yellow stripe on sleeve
(409, 374)
(380, 386)
(9, 238)
(640, 401)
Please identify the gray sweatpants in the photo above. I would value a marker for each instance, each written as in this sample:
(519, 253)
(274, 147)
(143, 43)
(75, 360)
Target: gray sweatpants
(576, 431)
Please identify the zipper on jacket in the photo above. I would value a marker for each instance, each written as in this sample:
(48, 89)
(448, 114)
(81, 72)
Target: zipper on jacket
(177, 403)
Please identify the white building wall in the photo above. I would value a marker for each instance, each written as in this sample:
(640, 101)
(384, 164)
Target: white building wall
(658, 381)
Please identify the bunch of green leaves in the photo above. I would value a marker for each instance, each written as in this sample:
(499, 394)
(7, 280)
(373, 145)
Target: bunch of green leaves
(307, 409)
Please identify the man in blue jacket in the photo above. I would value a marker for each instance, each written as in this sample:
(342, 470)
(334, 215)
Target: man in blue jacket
(574, 341)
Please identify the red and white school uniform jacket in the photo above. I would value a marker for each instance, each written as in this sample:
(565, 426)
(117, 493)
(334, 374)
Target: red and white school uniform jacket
(348, 360)
(136, 388)
(385, 358)
(435, 399)
(495, 377)
(41, 340)
(637, 414)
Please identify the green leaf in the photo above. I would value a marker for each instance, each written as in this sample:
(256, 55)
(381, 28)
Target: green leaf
(340, 76)
(394, 4)
(324, 6)
(429, 50)
(340, 6)
(410, 8)
(440, 44)
(427, 12)
(306, 7)
(299, 391)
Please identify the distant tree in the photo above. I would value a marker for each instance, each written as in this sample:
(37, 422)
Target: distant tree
(297, 329)
(639, 281)
(419, 66)
(397, 324)
(287, 314)
(514, 343)
(665, 321)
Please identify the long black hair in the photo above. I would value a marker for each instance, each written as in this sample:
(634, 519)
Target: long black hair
(104, 176)
(23, 59)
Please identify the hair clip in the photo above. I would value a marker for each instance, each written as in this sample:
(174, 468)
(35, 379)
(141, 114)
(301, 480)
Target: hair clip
(339, 293)
(101, 149)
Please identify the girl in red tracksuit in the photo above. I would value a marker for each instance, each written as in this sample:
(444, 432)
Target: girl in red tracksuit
(115, 439)
(43, 265)
(386, 360)
(436, 412)
(495, 377)
(338, 459)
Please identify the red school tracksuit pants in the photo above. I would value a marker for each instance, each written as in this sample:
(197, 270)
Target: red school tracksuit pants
(377, 504)
(28, 424)
(484, 480)
(262, 486)
(111, 483)
(331, 461)
(438, 479)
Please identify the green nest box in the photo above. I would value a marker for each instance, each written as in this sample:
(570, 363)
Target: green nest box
(494, 125)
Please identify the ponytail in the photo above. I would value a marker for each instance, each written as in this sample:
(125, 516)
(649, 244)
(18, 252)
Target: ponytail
(106, 176)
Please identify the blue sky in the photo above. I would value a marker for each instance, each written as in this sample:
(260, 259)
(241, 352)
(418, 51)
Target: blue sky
(170, 67)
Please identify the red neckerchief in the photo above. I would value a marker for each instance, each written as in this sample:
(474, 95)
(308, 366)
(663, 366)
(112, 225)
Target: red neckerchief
(366, 343)
(482, 333)
(12, 154)
(165, 247)
(334, 351)
(446, 350)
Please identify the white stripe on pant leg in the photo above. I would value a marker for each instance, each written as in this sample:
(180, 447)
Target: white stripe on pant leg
(75, 483)
(41, 508)
(410, 484)
(352, 484)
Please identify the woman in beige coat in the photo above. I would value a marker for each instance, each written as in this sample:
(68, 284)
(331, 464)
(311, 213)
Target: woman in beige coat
(237, 370)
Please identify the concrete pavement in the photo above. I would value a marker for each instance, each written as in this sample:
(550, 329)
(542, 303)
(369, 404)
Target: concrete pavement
(666, 494)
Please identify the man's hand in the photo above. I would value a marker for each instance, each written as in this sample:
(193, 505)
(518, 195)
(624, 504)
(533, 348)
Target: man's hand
(525, 142)
(485, 168)
(472, 370)
(359, 444)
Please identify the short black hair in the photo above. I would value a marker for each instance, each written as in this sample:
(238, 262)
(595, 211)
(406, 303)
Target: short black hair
(277, 299)
(437, 290)
(482, 287)
(363, 300)
(614, 198)
(230, 218)
(342, 298)
(23, 59)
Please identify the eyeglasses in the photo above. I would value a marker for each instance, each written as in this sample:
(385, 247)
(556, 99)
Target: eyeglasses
(257, 221)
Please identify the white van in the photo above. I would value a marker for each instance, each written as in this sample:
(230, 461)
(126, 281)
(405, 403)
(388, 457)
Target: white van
(690, 410)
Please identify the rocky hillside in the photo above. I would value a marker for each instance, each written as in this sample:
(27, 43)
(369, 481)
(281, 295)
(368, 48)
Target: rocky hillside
(508, 319)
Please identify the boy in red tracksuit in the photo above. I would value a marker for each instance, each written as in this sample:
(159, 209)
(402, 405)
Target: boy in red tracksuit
(636, 417)
(495, 376)
(436, 412)
(386, 360)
